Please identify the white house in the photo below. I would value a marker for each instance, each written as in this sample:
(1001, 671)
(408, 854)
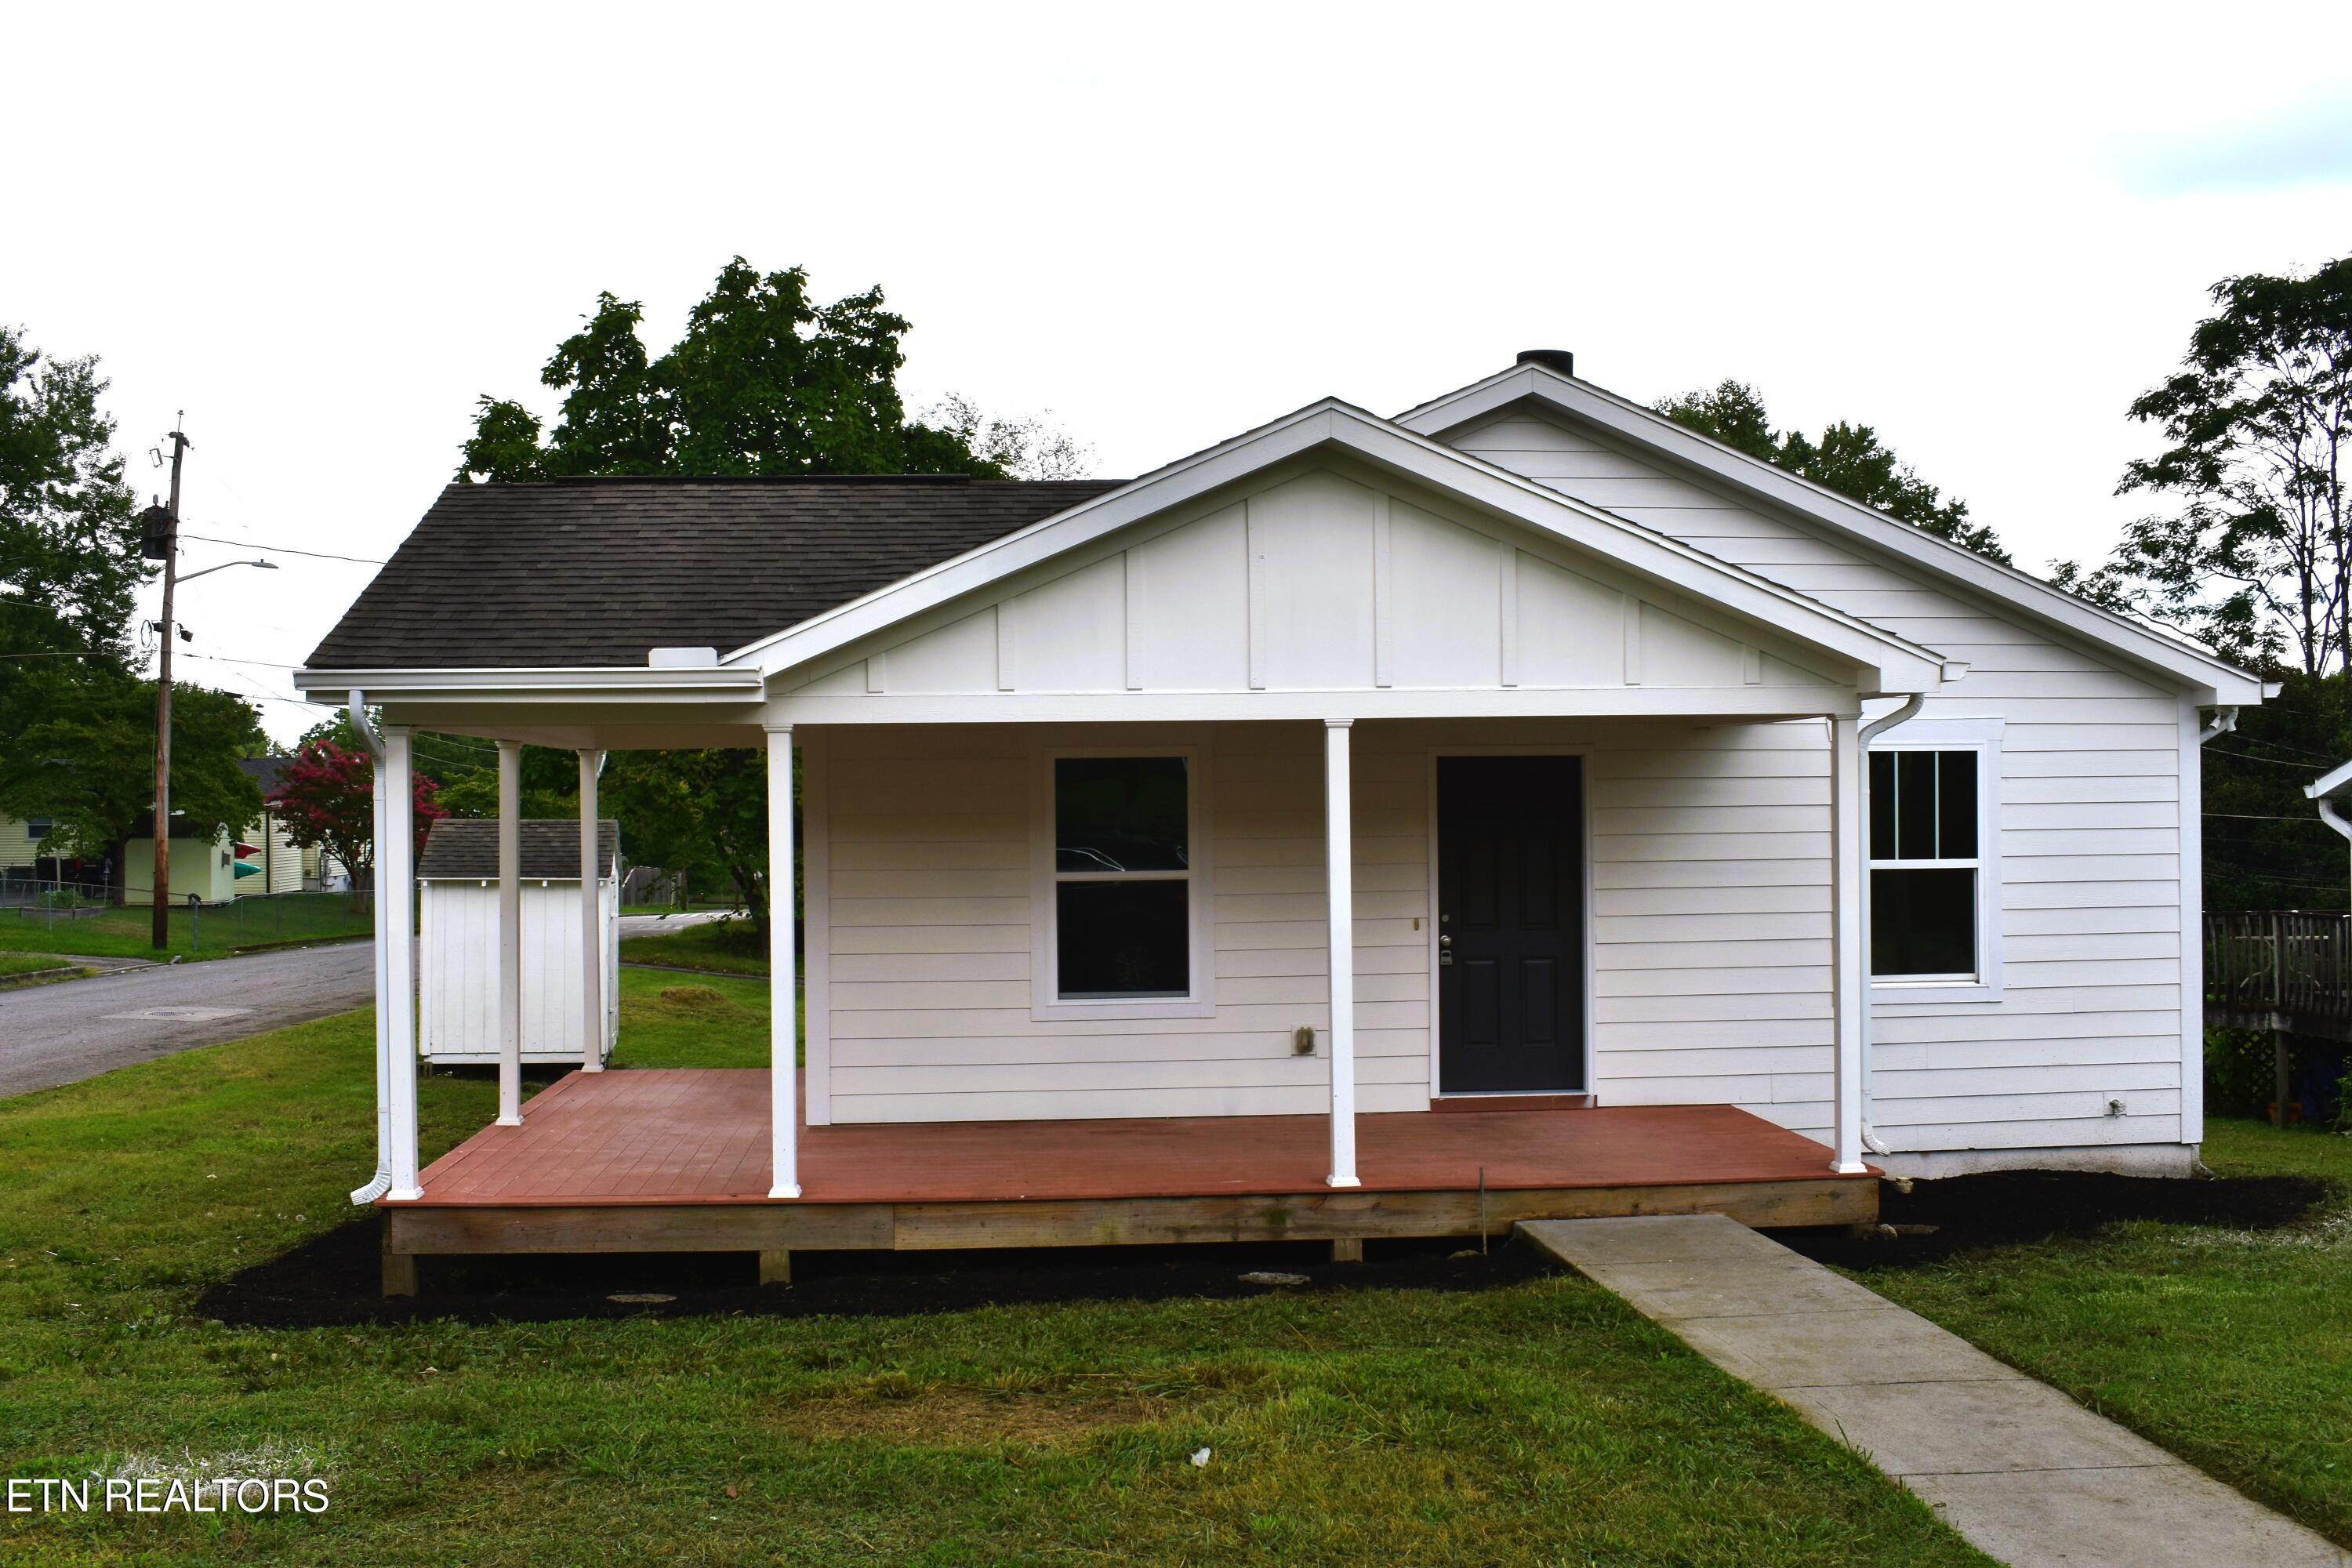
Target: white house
(457, 941)
(1609, 762)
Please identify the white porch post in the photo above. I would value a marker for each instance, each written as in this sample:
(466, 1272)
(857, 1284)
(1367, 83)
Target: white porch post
(397, 926)
(380, 833)
(1850, 987)
(592, 937)
(1339, 878)
(510, 933)
(783, 1029)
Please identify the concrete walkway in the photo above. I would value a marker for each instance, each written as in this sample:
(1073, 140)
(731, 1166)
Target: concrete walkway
(2027, 1475)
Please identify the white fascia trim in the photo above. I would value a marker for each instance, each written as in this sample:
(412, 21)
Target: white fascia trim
(1902, 666)
(694, 684)
(2213, 680)
(2329, 785)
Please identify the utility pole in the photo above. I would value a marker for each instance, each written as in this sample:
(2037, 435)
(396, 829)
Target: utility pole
(162, 936)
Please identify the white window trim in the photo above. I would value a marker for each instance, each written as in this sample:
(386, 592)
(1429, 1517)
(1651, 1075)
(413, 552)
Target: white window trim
(1046, 1002)
(1983, 737)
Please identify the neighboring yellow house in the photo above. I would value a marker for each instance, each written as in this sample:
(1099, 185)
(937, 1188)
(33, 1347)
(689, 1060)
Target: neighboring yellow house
(261, 860)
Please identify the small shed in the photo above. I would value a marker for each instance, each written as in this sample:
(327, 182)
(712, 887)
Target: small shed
(458, 877)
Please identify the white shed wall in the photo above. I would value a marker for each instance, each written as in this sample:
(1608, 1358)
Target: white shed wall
(2091, 831)
(458, 984)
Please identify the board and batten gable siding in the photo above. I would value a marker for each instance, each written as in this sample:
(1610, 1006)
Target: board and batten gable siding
(1709, 872)
(1326, 581)
(2090, 828)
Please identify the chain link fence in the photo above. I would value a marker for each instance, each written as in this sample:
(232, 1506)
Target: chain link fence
(68, 911)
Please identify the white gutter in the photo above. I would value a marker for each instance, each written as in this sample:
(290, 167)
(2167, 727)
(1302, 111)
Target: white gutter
(1871, 731)
(381, 1182)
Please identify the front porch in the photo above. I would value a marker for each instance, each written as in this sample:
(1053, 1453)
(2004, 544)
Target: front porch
(678, 1160)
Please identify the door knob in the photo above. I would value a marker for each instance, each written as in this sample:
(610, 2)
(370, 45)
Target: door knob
(1445, 942)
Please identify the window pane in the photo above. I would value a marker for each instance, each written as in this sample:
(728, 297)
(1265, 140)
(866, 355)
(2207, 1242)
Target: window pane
(1914, 806)
(1956, 808)
(1922, 922)
(1881, 805)
(1119, 814)
(1124, 939)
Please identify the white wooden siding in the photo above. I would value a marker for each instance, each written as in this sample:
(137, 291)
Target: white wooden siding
(2091, 831)
(1710, 891)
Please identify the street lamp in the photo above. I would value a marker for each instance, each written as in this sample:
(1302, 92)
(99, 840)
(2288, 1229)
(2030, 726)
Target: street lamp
(265, 565)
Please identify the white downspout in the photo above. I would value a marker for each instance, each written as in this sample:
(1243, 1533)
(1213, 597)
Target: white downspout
(381, 1182)
(1871, 731)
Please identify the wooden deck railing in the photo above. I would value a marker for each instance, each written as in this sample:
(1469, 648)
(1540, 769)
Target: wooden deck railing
(2279, 969)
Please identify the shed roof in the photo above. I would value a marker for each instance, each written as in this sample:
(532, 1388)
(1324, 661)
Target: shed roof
(466, 848)
(599, 572)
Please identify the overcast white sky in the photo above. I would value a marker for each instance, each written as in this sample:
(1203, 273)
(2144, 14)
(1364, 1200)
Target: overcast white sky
(324, 232)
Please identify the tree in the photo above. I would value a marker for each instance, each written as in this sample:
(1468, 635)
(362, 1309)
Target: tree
(2256, 561)
(70, 561)
(87, 762)
(326, 799)
(766, 380)
(1026, 448)
(77, 725)
(1848, 458)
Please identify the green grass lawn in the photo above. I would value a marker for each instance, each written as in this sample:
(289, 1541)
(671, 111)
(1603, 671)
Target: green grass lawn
(31, 962)
(209, 933)
(1536, 1422)
(2230, 1344)
(721, 947)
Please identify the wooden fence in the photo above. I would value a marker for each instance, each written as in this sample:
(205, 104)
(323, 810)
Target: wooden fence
(2279, 969)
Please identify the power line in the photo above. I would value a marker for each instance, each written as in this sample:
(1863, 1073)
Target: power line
(286, 550)
(2249, 756)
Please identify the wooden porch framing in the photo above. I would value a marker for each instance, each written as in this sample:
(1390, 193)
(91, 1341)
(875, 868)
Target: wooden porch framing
(678, 1161)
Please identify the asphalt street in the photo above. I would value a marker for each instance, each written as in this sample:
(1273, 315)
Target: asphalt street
(76, 1030)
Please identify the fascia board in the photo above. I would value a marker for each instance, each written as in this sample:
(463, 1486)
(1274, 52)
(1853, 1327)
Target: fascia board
(2213, 680)
(626, 682)
(2330, 785)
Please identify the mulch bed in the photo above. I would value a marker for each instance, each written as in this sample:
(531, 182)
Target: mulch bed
(2008, 1207)
(334, 1280)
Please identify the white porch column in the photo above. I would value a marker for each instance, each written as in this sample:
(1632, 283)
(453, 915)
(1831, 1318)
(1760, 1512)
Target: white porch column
(1850, 987)
(591, 936)
(380, 833)
(784, 1026)
(397, 926)
(1339, 878)
(510, 933)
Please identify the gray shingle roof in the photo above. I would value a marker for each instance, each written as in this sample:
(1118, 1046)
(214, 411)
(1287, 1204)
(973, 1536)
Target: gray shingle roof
(459, 847)
(599, 572)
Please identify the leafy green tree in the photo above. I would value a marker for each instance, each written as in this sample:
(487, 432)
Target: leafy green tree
(2264, 845)
(89, 764)
(70, 562)
(77, 725)
(2256, 559)
(1848, 458)
(766, 380)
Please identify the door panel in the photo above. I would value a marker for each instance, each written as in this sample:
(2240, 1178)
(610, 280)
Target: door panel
(1510, 913)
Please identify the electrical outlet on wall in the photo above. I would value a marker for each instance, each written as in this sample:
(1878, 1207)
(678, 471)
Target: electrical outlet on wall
(1302, 1040)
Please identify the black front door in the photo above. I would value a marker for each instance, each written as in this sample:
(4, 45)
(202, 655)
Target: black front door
(1510, 924)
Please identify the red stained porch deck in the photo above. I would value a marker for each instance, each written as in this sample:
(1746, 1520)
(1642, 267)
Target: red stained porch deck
(699, 1137)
